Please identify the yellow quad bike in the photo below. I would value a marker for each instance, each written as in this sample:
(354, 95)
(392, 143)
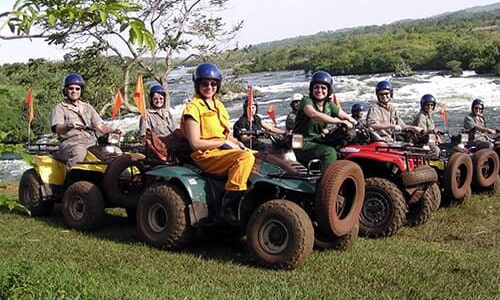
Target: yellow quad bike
(106, 178)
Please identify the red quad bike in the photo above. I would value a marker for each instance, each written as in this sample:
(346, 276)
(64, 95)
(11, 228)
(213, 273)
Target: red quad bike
(287, 205)
(400, 185)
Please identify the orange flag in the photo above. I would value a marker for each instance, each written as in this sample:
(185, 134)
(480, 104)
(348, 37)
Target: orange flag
(29, 102)
(139, 96)
(117, 105)
(335, 101)
(271, 113)
(249, 104)
(443, 115)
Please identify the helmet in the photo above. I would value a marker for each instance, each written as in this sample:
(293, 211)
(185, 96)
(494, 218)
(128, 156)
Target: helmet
(245, 105)
(72, 79)
(156, 89)
(427, 98)
(475, 103)
(296, 98)
(358, 107)
(207, 71)
(323, 78)
(384, 85)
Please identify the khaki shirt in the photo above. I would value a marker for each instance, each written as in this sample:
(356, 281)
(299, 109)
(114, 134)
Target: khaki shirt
(82, 113)
(470, 123)
(424, 121)
(158, 121)
(378, 114)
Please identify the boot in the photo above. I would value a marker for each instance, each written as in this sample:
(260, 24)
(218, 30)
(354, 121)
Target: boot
(228, 207)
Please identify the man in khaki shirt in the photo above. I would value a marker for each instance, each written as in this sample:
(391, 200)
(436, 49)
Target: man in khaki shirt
(74, 122)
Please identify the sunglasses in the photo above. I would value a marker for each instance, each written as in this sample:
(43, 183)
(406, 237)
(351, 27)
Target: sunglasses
(74, 89)
(477, 108)
(208, 83)
(384, 94)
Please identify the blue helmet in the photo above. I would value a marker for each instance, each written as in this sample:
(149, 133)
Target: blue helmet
(358, 107)
(323, 78)
(384, 85)
(207, 71)
(156, 89)
(476, 102)
(427, 98)
(73, 79)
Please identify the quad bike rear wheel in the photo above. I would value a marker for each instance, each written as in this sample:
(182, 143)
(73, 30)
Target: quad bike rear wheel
(384, 209)
(163, 217)
(340, 198)
(486, 166)
(30, 194)
(280, 235)
(83, 206)
(457, 176)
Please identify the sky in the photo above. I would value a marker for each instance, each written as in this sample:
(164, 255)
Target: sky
(270, 20)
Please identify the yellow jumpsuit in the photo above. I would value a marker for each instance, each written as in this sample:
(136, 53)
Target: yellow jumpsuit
(214, 124)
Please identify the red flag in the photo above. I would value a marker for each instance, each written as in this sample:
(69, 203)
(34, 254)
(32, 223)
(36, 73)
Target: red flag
(443, 115)
(249, 104)
(271, 113)
(335, 101)
(29, 102)
(117, 104)
(139, 96)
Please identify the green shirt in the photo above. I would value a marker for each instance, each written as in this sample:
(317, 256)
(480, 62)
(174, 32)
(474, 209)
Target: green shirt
(309, 128)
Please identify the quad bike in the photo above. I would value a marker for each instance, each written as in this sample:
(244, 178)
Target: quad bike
(285, 207)
(106, 178)
(400, 185)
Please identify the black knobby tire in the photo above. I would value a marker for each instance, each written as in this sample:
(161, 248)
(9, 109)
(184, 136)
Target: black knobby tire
(436, 196)
(83, 206)
(486, 165)
(163, 217)
(384, 209)
(340, 198)
(280, 235)
(420, 211)
(457, 176)
(30, 194)
(125, 180)
(419, 176)
(344, 242)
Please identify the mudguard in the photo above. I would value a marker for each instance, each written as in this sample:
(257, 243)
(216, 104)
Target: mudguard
(50, 170)
(264, 172)
(197, 185)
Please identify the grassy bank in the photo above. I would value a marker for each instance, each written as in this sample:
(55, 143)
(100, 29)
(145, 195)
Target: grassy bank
(455, 256)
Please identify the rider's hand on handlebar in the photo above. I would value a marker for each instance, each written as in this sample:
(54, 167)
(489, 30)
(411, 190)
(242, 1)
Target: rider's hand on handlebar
(397, 127)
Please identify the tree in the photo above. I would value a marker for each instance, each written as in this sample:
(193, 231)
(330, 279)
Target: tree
(143, 33)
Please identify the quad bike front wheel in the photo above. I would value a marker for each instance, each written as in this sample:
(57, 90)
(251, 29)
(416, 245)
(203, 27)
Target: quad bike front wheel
(340, 198)
(280, 235)
(384, 209)
(30, 194)
(486, 166)
(83, 206)
(163, 217)
(457, 176)
(344, 242)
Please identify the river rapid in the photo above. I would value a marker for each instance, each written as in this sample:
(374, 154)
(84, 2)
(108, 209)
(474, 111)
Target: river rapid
(276, 88)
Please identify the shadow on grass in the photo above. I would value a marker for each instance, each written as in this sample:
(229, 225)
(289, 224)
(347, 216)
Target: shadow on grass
(209, 244)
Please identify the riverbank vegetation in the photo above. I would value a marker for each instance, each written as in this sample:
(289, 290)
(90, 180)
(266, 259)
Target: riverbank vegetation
(453, 256)
(467, 39)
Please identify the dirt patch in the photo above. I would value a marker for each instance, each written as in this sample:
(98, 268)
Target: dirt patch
(9, 188)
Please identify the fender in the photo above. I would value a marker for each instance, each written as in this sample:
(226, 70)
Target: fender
(197, 185)
(50, 170)
(374, 156)
(264, 172)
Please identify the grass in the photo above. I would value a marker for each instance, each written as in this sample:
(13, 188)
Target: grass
(454, 256)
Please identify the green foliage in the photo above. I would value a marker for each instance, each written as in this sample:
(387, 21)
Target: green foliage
(454, 67)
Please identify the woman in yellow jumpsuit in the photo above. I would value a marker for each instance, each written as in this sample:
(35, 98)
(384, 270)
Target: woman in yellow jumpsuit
(205, 124)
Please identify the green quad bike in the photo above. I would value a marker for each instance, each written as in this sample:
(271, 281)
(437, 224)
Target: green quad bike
(286, 208)
(106, 178)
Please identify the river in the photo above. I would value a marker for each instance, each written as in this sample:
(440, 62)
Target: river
(276, 88)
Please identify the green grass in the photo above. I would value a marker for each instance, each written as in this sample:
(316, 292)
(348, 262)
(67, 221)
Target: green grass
(454, 256)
